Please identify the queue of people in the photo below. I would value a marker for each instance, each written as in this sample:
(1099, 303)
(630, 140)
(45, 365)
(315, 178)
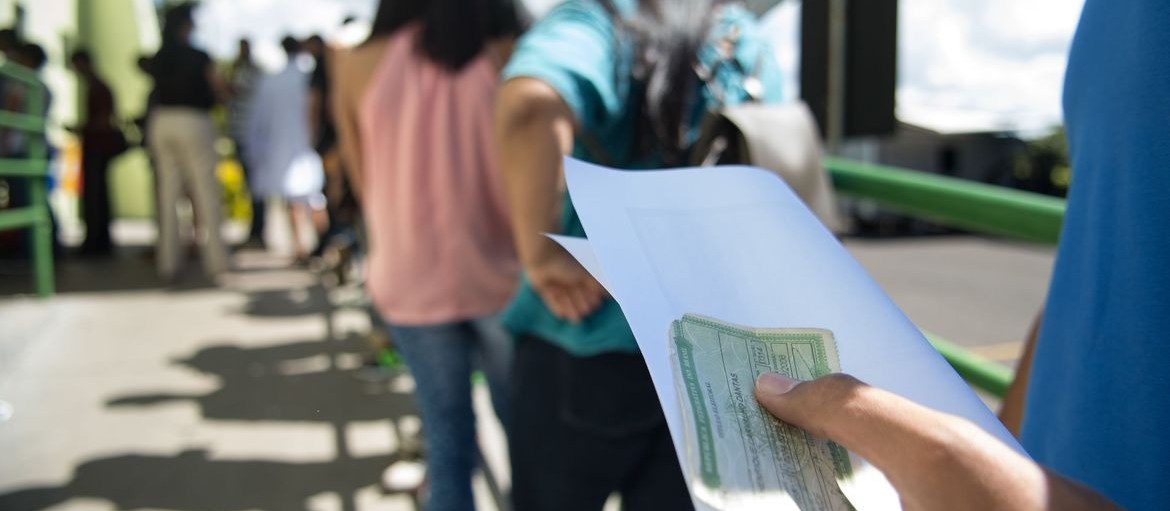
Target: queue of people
(271, 121)
(281, 147)
(448, 126)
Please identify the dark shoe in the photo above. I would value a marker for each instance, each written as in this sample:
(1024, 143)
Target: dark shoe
(96, 251)
(254, 243)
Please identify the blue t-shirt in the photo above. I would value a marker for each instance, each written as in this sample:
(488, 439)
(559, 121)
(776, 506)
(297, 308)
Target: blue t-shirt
(1098, 407)
(576, 51)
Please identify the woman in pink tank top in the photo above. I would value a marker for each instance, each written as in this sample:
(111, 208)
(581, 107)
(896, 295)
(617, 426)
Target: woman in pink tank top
(414, 108)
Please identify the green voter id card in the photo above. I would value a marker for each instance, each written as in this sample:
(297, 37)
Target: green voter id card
(738, 455)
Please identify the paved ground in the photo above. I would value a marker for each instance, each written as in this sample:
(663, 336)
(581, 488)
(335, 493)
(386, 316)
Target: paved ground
(982, 294)
(122, 394)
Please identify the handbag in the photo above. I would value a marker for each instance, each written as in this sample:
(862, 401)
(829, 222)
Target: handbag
(781, 138)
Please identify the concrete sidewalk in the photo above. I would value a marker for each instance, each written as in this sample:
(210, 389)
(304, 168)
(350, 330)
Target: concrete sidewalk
(192, 398)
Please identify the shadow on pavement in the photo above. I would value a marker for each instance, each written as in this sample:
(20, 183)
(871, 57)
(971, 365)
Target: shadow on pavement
(128, 269)
(282, 303)
(190, 481)
(299, 381)
(289, 382)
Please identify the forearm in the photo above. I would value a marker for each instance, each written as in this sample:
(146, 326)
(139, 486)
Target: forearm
(534, 131)
(934, 460)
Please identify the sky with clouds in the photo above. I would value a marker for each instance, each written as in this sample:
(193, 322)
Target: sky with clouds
(963, 64)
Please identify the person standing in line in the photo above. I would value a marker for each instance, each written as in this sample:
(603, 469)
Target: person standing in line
(340, 207)
(182, 140)
(244, 76)
(14, 144)
(280, 155)
(413, 108)
(622, 83)
(324, 140)
(9, 42)
(101, 141)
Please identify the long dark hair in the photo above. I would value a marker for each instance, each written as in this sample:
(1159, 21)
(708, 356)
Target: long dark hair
(453, 31)
(667, 36)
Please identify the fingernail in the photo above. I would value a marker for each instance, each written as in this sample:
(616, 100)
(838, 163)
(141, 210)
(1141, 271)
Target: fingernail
(774, 383)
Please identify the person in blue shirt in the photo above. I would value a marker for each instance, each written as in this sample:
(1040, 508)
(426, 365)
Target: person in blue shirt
(615, 82)
(1098, 392)
(1098, 401)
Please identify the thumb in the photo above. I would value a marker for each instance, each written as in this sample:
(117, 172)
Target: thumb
(877, 425)
(819, 406)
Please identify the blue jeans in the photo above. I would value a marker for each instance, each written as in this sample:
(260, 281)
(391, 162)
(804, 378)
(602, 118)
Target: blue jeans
(441, 358)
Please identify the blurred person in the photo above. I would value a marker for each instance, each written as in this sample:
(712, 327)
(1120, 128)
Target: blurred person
(14, 143)
(14, 94)
(101, 141)
(182, 141)
(339, 204)
(324, 136)
(243, 79)
(9, 41)
(413, 108)
(29, 54)
(616, 83)
(277, 138)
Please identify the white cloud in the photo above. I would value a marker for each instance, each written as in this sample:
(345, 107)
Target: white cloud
(990, 64)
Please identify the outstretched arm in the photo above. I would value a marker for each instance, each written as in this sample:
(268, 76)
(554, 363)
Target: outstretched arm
(534, 130)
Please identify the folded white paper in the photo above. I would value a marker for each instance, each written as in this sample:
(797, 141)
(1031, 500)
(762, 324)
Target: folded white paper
(736, 244)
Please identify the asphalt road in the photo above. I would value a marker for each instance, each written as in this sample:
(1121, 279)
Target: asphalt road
(976, 292)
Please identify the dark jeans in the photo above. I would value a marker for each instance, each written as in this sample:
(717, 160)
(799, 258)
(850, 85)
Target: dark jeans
(585, 427)
(95, 198)
(259, 206)
(441, 358)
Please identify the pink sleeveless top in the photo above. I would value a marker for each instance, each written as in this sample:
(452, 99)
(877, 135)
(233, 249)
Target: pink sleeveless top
(440, 243)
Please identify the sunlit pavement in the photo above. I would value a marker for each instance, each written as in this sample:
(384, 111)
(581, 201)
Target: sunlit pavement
(121, 393)
(980, 293)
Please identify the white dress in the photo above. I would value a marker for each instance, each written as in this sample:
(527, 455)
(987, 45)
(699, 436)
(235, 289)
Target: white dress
(280, 157)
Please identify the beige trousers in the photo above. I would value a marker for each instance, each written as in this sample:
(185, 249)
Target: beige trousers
(182, 144)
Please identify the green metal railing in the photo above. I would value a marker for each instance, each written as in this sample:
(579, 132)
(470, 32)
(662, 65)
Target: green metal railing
(32, 168)
(976, 207)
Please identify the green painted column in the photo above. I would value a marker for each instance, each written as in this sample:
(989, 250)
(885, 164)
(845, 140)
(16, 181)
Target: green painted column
(117, 33)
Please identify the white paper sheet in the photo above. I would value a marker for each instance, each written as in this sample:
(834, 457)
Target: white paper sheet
(735, 243)
(580, 249)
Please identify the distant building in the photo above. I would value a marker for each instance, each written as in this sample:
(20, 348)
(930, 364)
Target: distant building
(987, 157)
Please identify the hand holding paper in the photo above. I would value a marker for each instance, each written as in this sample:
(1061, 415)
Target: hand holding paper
(735, 243)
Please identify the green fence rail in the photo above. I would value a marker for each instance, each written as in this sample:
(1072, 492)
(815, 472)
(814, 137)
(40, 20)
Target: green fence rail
(976, 207)
(31, 167)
